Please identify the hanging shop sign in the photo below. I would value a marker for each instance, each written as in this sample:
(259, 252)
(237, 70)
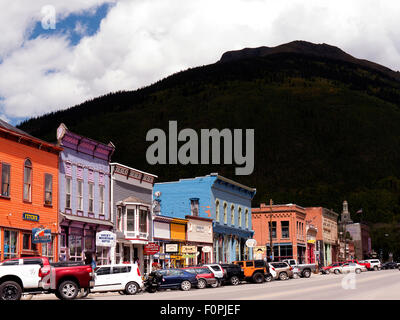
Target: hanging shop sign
(251, 243)
(206, 249)
(30, 217)
(151, 248)
(311, 241)
(105, 239)
(40, 235)
(189, 255)
(189, 249)
(171, 247)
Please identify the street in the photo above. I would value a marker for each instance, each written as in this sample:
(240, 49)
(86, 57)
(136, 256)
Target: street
(370, 285)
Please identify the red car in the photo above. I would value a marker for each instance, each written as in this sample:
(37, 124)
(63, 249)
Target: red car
(366, 264)
(325, 270)
(204, 276)
(64, 279)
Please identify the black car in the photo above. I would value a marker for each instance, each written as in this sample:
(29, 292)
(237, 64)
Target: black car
(389, 265)
(234, 273)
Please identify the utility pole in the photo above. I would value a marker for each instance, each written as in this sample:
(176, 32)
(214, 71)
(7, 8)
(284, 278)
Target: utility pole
(270, 230)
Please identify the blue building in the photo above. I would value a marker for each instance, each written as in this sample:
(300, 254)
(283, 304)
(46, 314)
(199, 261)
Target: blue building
(213, 196)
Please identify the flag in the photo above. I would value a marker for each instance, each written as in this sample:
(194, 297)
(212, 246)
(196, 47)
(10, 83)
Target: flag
(359, 211)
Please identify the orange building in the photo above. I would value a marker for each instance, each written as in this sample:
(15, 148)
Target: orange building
(288, 230)
(28, 194)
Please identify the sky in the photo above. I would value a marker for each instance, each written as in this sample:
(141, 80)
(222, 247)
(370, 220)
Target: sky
(56, 54)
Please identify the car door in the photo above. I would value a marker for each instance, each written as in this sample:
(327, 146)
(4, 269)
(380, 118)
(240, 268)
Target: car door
(166, 282)
(117, 278)
(102, 279)
(175, 277)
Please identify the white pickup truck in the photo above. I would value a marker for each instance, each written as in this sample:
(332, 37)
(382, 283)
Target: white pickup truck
(304, 270)
(18, 279)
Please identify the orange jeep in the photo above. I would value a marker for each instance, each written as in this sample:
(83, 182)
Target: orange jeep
(255, 270)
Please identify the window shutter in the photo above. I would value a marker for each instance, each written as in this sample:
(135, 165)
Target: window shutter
(68, 169)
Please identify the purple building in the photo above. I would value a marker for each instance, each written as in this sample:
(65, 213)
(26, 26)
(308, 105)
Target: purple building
(84, 196)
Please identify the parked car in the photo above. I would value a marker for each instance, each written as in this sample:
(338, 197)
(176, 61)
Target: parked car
(348, 267)
(304, 270)
(255, 270)
(16, 279)
(218, 271)
(362, 262)
(389, 265)
(375, 264)
(326, 270)
(118, 277)
(171, 279)
(234, 273)
(282, 270)
(64, 279)
(205, 277)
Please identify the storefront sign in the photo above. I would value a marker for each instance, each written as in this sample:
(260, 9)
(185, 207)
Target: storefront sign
(105, 239)
(206, 249)
(251, 243)
(200, 229)
(171, 248)
(311, 241)
(41, 235)
(151, 248)
(30, 216)
(189, 249)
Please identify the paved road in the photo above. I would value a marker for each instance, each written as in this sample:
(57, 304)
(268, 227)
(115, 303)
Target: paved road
(370, 285)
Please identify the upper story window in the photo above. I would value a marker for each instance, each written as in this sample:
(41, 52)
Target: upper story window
(28, 180)
(232, 214)
(91, 197)
(240, 216)
(246, 217)
(225, 212)
(130, 220)
(5, 180)
(143, 221)
(272, 229)
(194, 207)
(285, 229)
(48, 189)
(68, 192)
(119, 220)
(101, 199)
(80, 196)
(217, 210)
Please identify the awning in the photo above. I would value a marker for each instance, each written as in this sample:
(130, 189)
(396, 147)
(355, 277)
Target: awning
(86, 220)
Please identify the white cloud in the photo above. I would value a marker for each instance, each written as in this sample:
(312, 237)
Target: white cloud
(141, 41)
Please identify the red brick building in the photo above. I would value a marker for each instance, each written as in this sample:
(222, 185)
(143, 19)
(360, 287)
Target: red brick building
(287, 223)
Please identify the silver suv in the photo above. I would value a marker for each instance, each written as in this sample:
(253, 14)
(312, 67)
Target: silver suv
(375, 264)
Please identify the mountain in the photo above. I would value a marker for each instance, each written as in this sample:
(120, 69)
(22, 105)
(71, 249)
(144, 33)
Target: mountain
(326, 125)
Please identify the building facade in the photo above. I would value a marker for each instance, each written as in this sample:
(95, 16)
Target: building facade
(131, 209)
(84, 194)
(286, 225)
(226, 202)
(28, 194)
(311, 232)
(327, 243)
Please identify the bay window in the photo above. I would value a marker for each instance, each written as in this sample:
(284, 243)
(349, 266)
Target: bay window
(142, 221)
(130, 220)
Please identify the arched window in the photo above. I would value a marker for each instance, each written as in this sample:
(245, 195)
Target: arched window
(217, 210)
(239, 217)
(225, 212)
(246, 217)
(232, 214)
(28, 180)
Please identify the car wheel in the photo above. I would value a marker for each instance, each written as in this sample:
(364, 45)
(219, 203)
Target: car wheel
(336, 271)
(283, 276)
(306, 273)
(268, 278)
(83, 293)
(201, 283)
(235, 280)
(186, 285)
(358, 271)
(258, 277)
(215, 285)
(68, 290)
(131, 288)
(10, 290)
(376, 268)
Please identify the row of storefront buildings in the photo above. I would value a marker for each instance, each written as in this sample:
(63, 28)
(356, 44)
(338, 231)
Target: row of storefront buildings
(56, 199)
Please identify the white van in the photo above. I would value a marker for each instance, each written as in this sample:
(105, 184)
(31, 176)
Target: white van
(118, 277)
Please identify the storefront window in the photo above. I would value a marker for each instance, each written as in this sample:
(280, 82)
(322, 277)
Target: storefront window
(102, 255)
(127, 254)
(10, 244)
(89, 240)
(75, 248)
(47, 250)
